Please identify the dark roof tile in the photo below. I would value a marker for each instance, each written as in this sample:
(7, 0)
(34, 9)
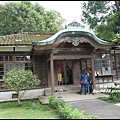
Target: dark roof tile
(25, 38)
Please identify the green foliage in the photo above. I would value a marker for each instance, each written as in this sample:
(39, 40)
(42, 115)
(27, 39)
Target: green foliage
(104, 32)
(59, 102)
(115, 93)
(20, 79)
(104, 18)
(66, 111)
(10, 110)
(25, 104)
(51, 100)
(94, 12)
(24, 16)
(114, 22)
(108, 99)
(116, 39)
(55, 103)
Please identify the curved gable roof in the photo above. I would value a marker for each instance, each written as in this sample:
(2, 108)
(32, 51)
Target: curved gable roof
(72, 28)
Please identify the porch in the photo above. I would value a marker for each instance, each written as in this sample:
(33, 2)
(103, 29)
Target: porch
(67, 93)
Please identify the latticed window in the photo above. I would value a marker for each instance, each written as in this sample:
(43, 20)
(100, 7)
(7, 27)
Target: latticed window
(102, 63)
(8, 63)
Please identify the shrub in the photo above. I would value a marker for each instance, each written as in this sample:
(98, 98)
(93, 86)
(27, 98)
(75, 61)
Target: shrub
(55, 103)
(20, 79)
(66, 111)
(114, 93)
(51, 101)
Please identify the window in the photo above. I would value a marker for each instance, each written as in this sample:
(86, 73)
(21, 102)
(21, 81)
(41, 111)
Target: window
(97, 56)
(102, 63)
(6, 58)
(10, 66)
(106, 68)
(28, 66)
(105, 56)
(1, 70)
(8, 63)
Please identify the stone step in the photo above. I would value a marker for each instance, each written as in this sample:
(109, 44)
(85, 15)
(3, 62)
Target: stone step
(47, 91)
(68, 87)
(58, 90)
(43, 99)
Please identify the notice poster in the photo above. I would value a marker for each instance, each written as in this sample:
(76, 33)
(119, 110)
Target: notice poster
(59, 77)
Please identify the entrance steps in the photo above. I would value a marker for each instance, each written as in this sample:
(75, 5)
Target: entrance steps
(67, 88)
(59, 90)
(74, 88)
(70, 92)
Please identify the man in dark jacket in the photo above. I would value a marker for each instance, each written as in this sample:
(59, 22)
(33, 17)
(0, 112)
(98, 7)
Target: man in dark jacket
(69, 74)
(90, 82)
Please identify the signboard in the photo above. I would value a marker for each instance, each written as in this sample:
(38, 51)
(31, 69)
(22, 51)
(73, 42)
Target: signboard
(59, 77)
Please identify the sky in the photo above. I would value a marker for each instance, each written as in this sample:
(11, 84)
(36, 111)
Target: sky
(70, 10)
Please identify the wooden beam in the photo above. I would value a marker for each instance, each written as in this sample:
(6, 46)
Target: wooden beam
(71, 49)
(62, 57)
(93, 71)
(52, 73)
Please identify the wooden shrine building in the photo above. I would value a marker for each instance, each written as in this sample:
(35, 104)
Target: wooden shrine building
(49, 55)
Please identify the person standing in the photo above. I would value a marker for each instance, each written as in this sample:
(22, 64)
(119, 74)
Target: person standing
(84, 78)
(87, 89)
(90, 82)
(69, 74)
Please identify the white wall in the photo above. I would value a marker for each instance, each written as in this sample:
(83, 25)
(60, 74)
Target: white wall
(31, 94)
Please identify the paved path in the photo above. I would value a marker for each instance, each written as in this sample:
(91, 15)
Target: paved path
(98, 108)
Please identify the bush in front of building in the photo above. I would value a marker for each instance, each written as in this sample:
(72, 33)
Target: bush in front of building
(20, 80)
(55, 103)
(66, 111)
(114, 93)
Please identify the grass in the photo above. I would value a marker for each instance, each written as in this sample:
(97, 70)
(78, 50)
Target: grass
(109, 100)
(11, 110)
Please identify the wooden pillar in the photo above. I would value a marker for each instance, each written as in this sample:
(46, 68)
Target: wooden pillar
(52, 73)
(93, 71)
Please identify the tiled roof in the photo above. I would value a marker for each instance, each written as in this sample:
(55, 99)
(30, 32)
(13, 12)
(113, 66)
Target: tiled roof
(25, 38)
(75, 31)
(72, 29)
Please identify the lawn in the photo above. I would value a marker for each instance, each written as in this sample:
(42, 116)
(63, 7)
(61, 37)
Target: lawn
(10, 110)
(114, 96)
(109, 100)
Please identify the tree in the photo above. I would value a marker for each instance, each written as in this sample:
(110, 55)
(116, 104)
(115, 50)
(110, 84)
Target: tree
(16, 17)
(117, 39)
(104, 32)
(103, 17)
(20, 80)
(98, 12)
(109, 31)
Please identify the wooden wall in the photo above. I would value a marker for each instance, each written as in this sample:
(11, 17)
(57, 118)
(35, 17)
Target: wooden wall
(41, 69)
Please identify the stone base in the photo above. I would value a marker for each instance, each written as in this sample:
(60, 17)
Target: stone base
(47, 91)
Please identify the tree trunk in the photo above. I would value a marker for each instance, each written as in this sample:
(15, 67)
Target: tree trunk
(18, 98)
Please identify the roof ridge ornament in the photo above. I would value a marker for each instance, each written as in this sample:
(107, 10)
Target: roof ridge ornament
(74, 24)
